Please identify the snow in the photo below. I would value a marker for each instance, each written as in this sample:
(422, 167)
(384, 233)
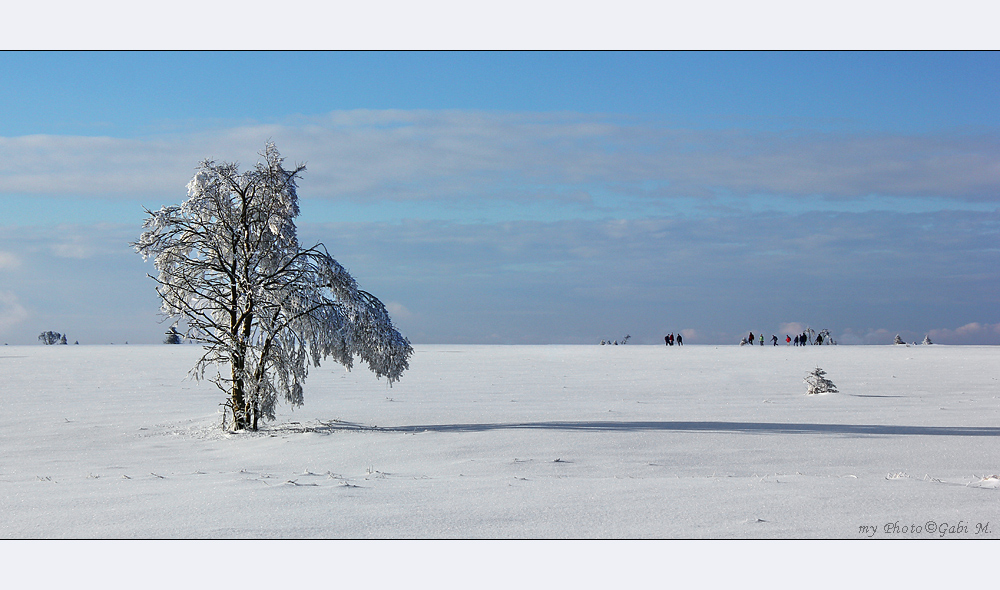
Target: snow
(511, 442)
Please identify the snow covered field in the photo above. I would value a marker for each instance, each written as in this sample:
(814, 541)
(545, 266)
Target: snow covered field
(511, 442)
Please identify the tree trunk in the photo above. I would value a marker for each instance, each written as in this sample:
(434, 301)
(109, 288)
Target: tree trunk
(238, 399)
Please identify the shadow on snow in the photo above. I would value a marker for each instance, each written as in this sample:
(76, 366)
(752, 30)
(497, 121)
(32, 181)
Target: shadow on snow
(669, 426)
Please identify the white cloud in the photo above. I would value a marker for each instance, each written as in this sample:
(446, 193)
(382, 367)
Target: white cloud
(11, 311)
(78, 251)
(791, 328)
(444, 155)
(81, 242)
(971, 333)
(9, 261)
(398, 311)
(870, 336)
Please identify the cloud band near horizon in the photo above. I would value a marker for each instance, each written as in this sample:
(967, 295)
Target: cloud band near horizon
(398, 156)
(510, 227)
(866, 277)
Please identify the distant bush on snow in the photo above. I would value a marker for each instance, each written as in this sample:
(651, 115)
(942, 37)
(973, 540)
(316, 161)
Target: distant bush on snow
(48, 338)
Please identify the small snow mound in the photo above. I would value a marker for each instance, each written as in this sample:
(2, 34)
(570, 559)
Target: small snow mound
(989, 482)
(205, 428)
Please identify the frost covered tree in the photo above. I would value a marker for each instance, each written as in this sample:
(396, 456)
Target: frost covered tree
(173, 336)
(230, 264)
(927, 339)
(49, 338)
(817, 382)
(898, 340)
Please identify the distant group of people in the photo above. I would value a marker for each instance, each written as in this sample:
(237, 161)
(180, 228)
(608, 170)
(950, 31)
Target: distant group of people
(751, 340)
(669, 340)
(800, 340)
(803, 339)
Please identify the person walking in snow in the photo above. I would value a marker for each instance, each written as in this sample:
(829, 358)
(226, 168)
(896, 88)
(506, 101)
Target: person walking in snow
(750, 339)
(788, 339)
(680, 340)
(762, 339)
(774, 340)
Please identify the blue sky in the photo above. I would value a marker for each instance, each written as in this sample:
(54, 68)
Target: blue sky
(133, 94)
(526, 197)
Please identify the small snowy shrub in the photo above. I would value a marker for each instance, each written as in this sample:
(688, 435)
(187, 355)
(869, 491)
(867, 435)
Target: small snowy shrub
(898, 340)
(927, 339)
(50, 337)
(173, 336)
(818, 383)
